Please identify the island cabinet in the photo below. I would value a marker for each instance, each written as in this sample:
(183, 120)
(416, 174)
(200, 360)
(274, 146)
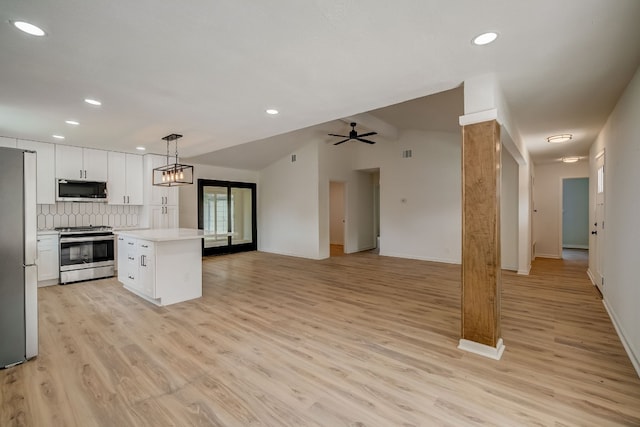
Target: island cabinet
(162, 266)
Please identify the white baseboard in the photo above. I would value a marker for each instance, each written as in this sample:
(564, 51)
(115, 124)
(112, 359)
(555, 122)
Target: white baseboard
(634, 359)
(483, 349)
(590, 274)
(554, 256)
(526, 271)
(575, 246)
(420, 258)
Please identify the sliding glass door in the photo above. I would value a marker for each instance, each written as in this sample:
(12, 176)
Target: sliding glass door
(227, 212)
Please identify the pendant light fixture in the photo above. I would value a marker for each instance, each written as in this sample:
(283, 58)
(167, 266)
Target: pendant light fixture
(173, 174)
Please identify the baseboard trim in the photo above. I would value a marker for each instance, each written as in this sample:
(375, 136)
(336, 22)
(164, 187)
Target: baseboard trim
(405, 256)
(590, 274)
(634, 360)
(526, 271)
(553, 256)
(575, 246)
(494, 353)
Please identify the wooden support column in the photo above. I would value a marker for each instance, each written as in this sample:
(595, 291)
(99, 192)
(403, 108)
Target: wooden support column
(481, 266)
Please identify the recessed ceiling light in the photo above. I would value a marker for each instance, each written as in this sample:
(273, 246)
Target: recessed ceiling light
(272, 111)
(560, 138)
(58, 136)
(72, 122)
(570, 159)
(29, 28)
(141, 148)
(92, 101)
(485, 38)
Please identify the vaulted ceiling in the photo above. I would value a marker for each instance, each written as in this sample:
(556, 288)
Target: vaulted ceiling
(210, 69)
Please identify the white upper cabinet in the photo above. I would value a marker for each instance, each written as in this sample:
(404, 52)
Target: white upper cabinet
(125, 184)
(158, 195)
(46, 170)
(85, 164)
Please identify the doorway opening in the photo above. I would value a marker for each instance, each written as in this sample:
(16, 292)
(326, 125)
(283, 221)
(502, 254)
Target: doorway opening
(227, 213)
(575, 214)
(336, 218)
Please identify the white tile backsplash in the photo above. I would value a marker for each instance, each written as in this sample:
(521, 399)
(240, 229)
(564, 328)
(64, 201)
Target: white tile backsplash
(70, 214)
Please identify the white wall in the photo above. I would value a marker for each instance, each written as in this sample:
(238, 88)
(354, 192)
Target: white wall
(336, 213)
(509, 211)
(548, 203)
(288, 206)
(188, 203)
(620, 138)
(420, 197)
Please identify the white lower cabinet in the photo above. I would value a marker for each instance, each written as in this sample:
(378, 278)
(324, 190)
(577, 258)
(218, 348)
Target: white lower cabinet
(146, 268)
(127, 262)
(48, 259)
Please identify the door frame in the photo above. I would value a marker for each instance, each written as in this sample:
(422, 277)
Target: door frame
(229, 248)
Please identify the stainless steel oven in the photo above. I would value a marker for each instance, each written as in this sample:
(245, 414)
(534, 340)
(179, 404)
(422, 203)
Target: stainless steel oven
(86, 253)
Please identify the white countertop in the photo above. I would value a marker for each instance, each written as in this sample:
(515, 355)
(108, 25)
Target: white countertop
(163, 234)
(47, 232)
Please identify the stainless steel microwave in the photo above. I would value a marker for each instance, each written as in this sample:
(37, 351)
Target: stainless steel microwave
(81, 191)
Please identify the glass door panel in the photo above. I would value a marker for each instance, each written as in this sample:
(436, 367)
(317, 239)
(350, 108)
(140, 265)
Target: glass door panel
(241, 216)
(215, 215)
(227, 213)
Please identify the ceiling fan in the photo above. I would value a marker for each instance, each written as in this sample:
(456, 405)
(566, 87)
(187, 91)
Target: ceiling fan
(354, 135)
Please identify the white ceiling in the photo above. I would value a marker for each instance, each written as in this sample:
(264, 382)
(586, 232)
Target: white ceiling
(208, 69)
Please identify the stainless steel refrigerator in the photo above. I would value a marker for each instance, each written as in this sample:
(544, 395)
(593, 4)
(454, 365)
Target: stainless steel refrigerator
(18, 251)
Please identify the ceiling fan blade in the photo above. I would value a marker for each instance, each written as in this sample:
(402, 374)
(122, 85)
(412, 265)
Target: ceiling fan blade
(365, 140)
(341, 136)
(340, 142)
(368, 134)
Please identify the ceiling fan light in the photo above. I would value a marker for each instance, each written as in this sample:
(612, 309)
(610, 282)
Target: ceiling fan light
(570, 159)
(564, 137)
(485, 38)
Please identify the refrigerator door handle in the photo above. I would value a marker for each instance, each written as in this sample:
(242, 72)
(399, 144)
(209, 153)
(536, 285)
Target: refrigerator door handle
(30, 218)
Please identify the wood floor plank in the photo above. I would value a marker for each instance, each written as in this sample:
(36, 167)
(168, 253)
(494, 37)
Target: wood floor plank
(356, 339)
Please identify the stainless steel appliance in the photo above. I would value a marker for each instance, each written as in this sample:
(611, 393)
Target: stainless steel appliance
(81, 191)
(86, 253)
(18, 271)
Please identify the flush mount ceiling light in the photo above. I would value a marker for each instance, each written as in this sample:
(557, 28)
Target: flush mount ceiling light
(272, 111)
(92, 101)
(58, 136)
(173, 174)
(572, 159)
(485, 38)
(29, 28)
(140, 148)
(560, 138)
(72, 122)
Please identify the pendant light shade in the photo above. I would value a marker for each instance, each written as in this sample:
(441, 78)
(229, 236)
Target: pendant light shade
(173, 174)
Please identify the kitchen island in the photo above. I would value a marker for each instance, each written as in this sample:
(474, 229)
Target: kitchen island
(163, 266)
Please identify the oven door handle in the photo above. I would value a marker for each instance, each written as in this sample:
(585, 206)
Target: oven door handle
(85, 239)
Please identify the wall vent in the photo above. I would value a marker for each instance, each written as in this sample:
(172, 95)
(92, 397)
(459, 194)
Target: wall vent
(293, 158)
(406, 154)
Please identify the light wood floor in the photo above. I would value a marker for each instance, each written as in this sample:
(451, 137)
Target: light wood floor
(356, 340)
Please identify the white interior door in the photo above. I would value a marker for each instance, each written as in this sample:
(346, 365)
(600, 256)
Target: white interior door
(598, 226)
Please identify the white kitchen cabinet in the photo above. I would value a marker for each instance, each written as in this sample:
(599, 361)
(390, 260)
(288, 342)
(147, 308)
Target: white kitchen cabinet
(127, 262)
(167, 266)
(48, 261)
(163, 216)
(146, 268)
(81, 164)
(46, 170)
(125, 179)
(160, 203)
